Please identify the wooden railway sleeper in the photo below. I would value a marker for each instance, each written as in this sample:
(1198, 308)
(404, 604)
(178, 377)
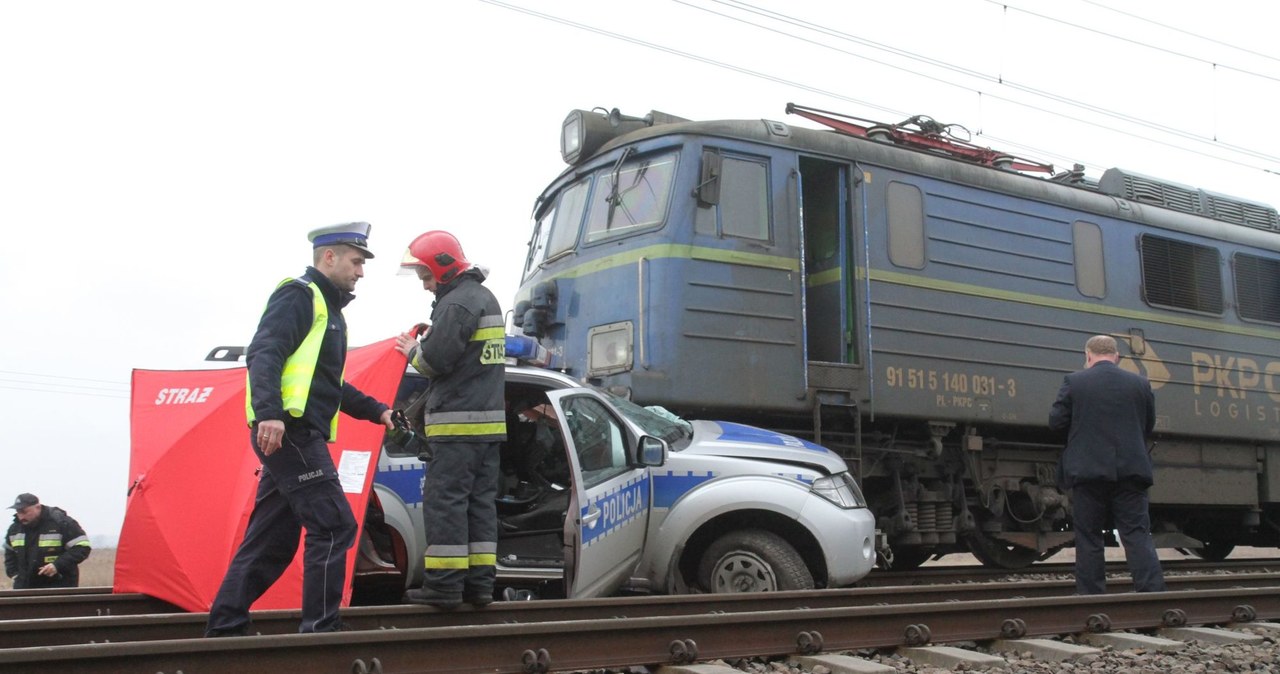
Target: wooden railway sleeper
(809, 643)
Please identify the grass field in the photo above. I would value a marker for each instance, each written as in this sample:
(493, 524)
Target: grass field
(99, 569)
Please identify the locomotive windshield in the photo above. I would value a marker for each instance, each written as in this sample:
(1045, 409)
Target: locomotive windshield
(629, 196)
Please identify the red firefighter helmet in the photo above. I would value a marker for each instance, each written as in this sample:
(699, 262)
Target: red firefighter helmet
(439, 252)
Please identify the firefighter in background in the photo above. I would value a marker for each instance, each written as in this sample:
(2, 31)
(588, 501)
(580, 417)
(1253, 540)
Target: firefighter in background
(295, 364)
(44, 546)
(463, 353)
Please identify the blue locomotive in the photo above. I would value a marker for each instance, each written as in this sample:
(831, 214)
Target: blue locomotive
(914, 301)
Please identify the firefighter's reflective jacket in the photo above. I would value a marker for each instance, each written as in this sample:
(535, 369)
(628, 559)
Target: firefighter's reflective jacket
(55, 538)
(464, 354)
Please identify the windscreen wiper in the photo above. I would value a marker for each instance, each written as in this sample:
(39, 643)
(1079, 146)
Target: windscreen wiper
(615, 177)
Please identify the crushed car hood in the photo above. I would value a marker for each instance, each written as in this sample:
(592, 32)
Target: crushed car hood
(723, 438)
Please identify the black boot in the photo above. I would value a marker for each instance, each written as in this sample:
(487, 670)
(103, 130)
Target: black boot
(433, 597)
(479, 598)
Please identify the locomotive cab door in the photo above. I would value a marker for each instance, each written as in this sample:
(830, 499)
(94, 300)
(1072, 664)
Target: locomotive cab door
(830, 316)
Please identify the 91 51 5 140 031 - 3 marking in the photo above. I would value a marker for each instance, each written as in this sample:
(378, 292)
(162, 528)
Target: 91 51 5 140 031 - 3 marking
(943, 381)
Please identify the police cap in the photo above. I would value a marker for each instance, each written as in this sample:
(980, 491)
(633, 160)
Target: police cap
(354, 234)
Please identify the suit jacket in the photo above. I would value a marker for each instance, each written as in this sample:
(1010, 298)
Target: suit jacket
(1107, 415)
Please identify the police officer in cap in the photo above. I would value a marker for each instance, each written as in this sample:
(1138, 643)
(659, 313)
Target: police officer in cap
(295, 364)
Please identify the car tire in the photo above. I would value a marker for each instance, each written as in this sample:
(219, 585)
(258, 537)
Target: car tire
(752, 560)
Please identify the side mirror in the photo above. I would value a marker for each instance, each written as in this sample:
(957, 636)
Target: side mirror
(653, 451)
(708, 189)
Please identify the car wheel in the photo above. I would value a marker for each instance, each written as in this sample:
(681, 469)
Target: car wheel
(753, 560)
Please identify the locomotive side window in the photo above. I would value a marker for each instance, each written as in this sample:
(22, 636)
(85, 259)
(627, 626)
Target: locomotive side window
(906, 225)
(567, 219)
(1257, 287)
(1091, 274)
(1181, 275)
(557, 228)
(630, 197)
(743, 207)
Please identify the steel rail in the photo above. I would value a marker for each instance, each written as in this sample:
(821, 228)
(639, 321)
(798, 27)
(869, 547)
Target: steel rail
(99, 601)
(156, 627)
(622, 642)
(56, 591)
(943, 572)
(69, 605)
(968, 573)
(66, 631)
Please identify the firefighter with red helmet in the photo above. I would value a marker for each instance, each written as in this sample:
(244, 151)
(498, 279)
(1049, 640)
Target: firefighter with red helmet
(463, 353)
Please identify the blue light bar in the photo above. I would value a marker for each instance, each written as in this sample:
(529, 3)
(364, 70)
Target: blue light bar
(527, 350)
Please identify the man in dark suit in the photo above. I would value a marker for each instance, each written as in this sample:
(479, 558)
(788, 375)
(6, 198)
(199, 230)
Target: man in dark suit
(1108, 415)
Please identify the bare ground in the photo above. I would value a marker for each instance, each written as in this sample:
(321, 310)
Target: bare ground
(99, 569)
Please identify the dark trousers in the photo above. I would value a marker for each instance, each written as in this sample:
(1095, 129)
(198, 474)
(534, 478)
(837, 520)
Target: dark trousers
(461, 518)
(1127, 505)
(284, 505)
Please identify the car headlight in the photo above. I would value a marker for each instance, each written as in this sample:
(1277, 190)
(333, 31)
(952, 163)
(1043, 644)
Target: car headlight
(840, 490)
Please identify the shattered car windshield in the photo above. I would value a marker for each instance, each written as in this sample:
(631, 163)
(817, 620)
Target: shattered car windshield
(675, 431)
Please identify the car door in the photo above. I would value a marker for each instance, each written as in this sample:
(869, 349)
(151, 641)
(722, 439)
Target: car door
(610, 511)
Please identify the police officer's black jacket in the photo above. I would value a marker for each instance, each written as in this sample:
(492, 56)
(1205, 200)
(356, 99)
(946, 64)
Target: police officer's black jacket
(284, 324)
(1108, 415)
(465, 401)
(53, 538)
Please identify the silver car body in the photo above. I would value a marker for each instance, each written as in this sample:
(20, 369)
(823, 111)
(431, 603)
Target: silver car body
(628, 525)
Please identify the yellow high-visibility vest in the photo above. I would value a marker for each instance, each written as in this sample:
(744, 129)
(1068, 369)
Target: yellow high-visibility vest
(300, 368)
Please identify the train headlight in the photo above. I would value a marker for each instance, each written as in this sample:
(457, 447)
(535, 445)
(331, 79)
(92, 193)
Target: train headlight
(582, 134)
(840, 490)
(571, 137)
(609, 348)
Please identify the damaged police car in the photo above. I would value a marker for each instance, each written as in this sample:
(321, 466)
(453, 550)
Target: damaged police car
(600, 496)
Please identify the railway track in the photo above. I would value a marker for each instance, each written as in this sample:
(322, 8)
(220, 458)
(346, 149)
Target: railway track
(172, 626)
(99, 601)
(620, 632)
(973, 573)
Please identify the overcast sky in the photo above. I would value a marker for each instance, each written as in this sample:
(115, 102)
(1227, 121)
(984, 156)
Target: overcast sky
(162, 162)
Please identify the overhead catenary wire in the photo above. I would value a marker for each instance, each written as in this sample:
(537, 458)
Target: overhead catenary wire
(1146, 45)
(689, 55)
(995, 79)
(46, 383)
(28, 389)
(1180, 30)
(57, 376)
(839, 96)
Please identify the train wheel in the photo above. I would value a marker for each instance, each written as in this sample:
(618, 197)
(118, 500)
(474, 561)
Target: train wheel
(753, 560)
(998, 554)
(1213, 551)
